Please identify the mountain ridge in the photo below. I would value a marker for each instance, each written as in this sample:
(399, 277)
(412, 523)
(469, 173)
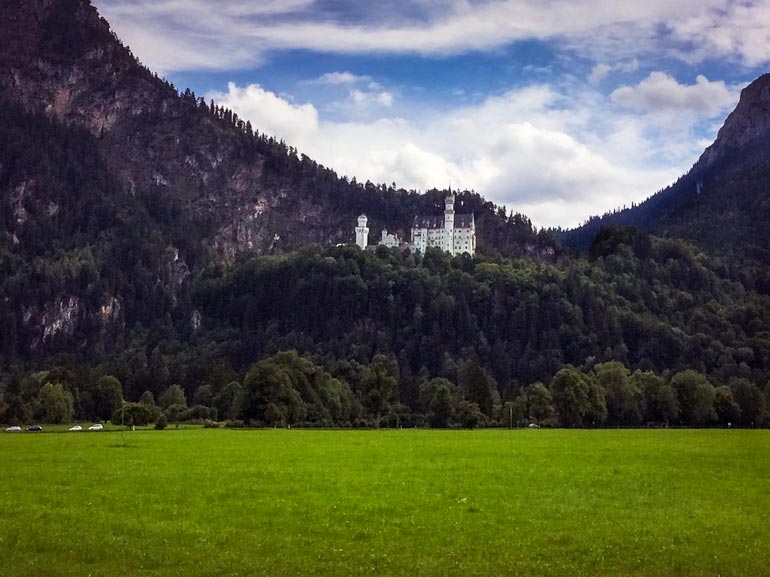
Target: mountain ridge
(741, 147)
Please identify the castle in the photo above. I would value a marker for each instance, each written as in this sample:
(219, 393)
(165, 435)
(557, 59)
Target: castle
(453, 233)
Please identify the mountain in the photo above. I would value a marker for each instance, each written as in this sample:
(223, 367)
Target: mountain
(117, 191)
(723, 202)
(240, 189)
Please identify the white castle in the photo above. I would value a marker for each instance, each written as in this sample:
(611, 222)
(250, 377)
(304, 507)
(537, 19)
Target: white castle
(453, 233)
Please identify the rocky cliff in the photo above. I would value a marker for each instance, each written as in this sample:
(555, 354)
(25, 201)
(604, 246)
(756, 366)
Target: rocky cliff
(61, 59)
(745, 135)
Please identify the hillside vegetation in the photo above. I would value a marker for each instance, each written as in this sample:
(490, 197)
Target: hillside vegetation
(343, 336)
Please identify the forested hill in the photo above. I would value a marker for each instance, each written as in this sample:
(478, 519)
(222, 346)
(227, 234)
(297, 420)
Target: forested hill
(117, 191)
(722, 203)
(648, 330)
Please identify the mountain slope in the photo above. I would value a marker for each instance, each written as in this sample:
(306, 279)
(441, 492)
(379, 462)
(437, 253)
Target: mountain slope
(723, 193)
(62, 60)
(117, 192)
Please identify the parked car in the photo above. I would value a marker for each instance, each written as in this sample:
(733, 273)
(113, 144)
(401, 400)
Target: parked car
(35, 429)
(75, 428)
(13, 429)
(96, 427)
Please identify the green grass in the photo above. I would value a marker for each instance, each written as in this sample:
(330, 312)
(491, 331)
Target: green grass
(487, 503)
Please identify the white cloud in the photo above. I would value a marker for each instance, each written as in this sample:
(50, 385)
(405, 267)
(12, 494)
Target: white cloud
(184, 34)
(558, 159)
(365, 99)
(270, 113)
(661, 92)
(601, 70)
(337, 78)
(599, 73)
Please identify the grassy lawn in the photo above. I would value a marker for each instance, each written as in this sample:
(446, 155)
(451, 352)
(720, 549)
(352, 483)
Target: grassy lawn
(487, 503)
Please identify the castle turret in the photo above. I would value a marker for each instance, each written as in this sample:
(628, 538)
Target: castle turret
(362, 232)
(449, 223)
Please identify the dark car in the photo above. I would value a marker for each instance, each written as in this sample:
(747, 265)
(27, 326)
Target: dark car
(35, 428)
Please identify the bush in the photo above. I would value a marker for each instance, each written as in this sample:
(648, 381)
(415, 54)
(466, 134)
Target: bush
(234, 424)
(161, 423)
(209, 424)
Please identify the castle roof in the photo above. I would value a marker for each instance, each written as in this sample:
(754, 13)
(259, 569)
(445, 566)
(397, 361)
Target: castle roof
(436, 222)
(464, 220)
(429, 221)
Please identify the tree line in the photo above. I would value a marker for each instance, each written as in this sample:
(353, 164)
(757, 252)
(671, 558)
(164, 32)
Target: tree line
(287, 389)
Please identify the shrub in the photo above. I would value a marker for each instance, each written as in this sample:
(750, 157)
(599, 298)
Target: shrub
(161, 423)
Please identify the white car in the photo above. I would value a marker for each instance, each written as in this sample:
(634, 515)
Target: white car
(75, 428)
(13, 429)
(96, 427)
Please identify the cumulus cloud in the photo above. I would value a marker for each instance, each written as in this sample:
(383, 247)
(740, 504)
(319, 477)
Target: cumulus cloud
(270, 113)
(661, 92)
(558, 159)
(229, 33)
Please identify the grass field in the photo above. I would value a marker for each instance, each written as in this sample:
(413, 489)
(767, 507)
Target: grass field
(487, 503)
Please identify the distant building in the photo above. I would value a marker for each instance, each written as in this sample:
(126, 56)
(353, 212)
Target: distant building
(453, 233)
(362, 232)
(389, 240)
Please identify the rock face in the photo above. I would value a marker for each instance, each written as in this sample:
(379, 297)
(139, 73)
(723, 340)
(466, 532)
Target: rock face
(61, 59)
(746, 130)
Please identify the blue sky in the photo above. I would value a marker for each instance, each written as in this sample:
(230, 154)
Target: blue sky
(559, 109)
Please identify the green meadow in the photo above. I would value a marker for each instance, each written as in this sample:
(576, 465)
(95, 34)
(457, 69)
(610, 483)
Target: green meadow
(403, 502)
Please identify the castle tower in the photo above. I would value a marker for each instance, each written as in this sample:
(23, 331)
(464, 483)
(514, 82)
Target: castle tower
(449, 223)
(362, 232)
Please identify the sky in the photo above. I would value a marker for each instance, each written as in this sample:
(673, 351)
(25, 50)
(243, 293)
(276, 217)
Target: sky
(557, 109)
